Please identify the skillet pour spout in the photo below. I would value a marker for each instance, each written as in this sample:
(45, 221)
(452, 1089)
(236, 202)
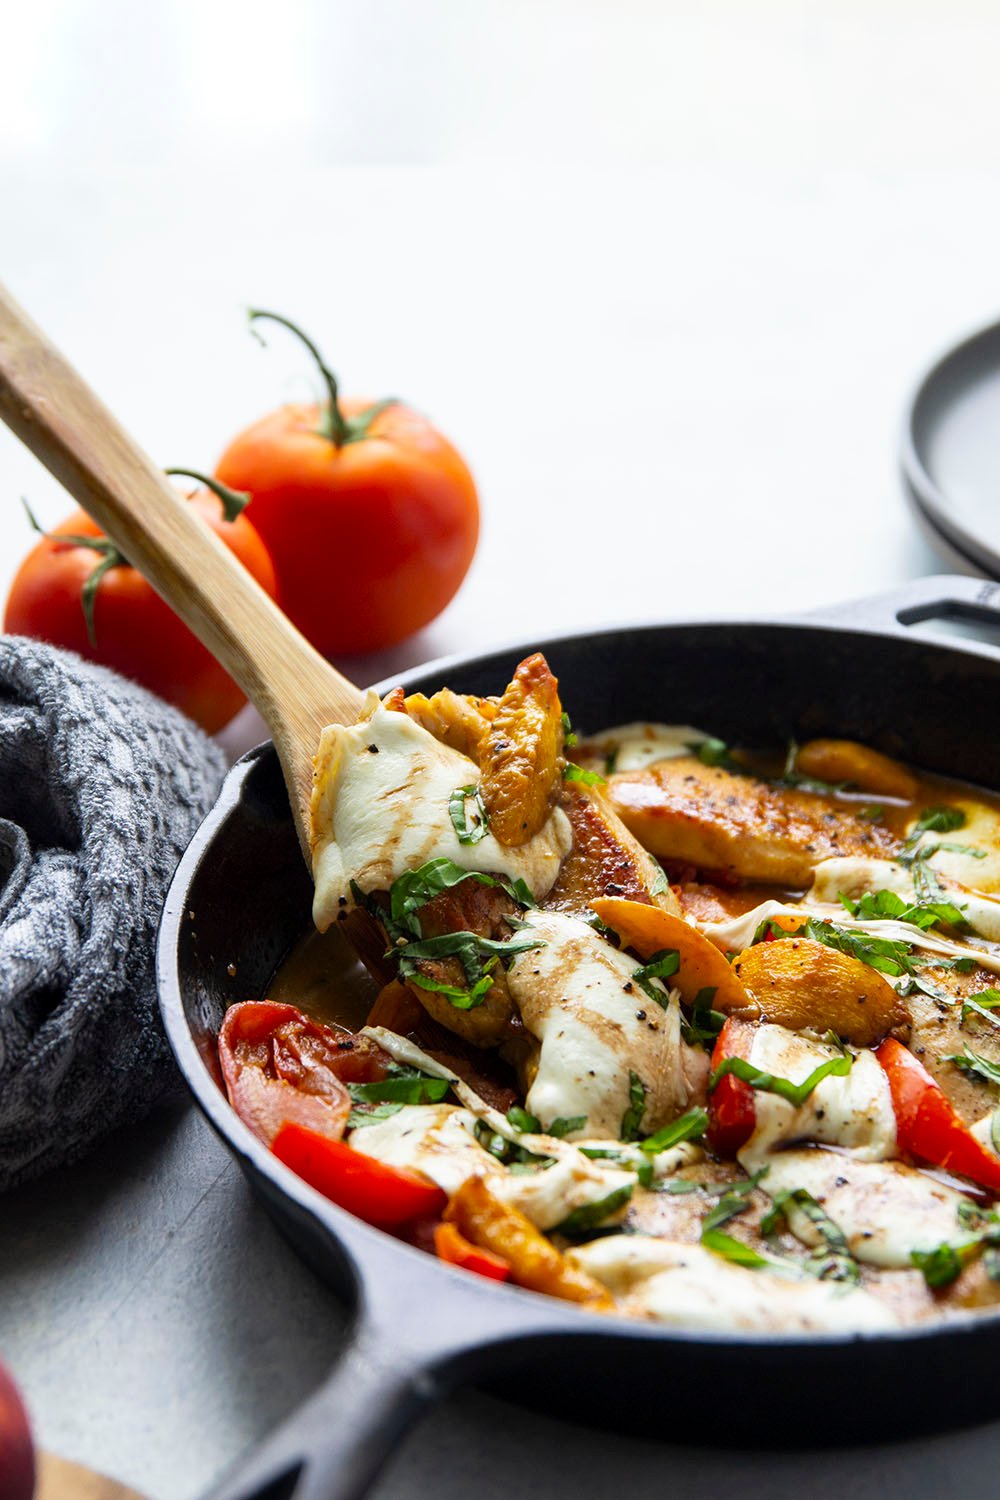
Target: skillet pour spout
(241, 895)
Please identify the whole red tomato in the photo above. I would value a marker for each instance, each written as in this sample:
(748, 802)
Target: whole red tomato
(370, 515)
(83, 596)
(17, 1454)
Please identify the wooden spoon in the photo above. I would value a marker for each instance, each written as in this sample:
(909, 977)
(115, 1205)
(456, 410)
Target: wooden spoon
(64, 424)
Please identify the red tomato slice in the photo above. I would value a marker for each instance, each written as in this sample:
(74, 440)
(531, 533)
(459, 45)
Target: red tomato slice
(279, 1066)
(379, 1194)
(452, 1246)
(927, 1124)
(732, 1114)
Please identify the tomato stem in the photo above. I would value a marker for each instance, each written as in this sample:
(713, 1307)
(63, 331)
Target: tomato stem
(234, 502)
(110, 557)
(334, 425)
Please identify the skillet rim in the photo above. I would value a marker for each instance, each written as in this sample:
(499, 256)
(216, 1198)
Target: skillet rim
(882, 615)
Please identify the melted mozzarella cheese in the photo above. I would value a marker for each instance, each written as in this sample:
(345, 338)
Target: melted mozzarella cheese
(438, 1140)
(884, 1208)
(687, 1286)
(854, 1111)
(598, 1030)
(435, 1139)
(851, 876)
(981, 831)
(636, 746)
(381, 807)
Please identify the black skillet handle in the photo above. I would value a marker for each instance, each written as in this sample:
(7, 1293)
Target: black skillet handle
(333, 1446)
(406, 1351)
(948, 596)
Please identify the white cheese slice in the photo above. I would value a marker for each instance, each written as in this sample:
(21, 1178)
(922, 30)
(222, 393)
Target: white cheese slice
(597, 1029)
(435, 1139)
(884, 1208)
(381, 807)
(854, 1111)
(636, 746)
(687, 1286)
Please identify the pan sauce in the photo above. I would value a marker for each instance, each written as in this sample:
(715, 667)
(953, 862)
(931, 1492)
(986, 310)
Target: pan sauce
(885, 1208)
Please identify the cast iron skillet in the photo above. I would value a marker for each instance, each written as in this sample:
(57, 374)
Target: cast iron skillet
(241, 896)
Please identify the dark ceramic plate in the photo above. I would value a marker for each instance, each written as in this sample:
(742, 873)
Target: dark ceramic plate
(950, 452)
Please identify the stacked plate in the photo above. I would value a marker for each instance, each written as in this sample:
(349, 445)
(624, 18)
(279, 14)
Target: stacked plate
(951, 454)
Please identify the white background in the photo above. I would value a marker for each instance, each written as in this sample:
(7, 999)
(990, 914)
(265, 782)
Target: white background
(665, 272)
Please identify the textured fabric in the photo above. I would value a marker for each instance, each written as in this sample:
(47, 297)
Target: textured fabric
(101, 787)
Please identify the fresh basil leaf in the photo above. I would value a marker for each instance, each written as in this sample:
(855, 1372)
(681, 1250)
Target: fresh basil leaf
(358, 1118)
(974, 1005)
(792, 777)
(661, 966)
(733, 1249)
(589, 1215)
(470, 949)
(938, 820)
(705, 1023)
(713, 752)
(459, 813)
(887, 906)
(408, 1088)
(681, 1185)
(417, 887)
(872, 812)
(632, 1118)
(690, 1127)
(973, 1063)
(573, 772)
(832, 1260)
(794, 1093)
(611, 761)
(562, 1126)
(570, 737)
(522, 1121)
(660, 882)
(511, 1153)
(944, 1264)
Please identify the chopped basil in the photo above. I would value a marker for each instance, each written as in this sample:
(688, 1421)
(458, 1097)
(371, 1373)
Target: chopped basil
(511, 1153)
(705, 1023)
(832, 1260)
(713, 752)
(662, 964)
(681, 1185)
(793, 778)
(982, 1004)
(361, 1117)
(794, 1093)
(459, 814)
(565, 1126)
(733, 1249)
(417, 887)
(995, 1130)
(642, 1169)
(660, 882)
(470, 949)
(978, 1066)
(632, 1118)
(400, 1087)
(888, 906)
(573, 772)
(873, 812)
(690, 1127)
(938, 820)
(611, 761)
(734, 1199)
(522, 1121)
(940, 1266)
(589, 1215)
(570, 737)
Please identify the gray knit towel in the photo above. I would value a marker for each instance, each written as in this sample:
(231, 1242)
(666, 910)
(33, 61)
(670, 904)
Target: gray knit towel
(101, 787)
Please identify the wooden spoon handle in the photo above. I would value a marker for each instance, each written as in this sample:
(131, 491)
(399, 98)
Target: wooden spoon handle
(62, 421)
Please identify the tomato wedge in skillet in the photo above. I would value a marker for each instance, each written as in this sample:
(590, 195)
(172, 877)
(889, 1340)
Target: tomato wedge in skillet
(731, 1112)
(928, 1126)
(381, 1195)
(278, 1067)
